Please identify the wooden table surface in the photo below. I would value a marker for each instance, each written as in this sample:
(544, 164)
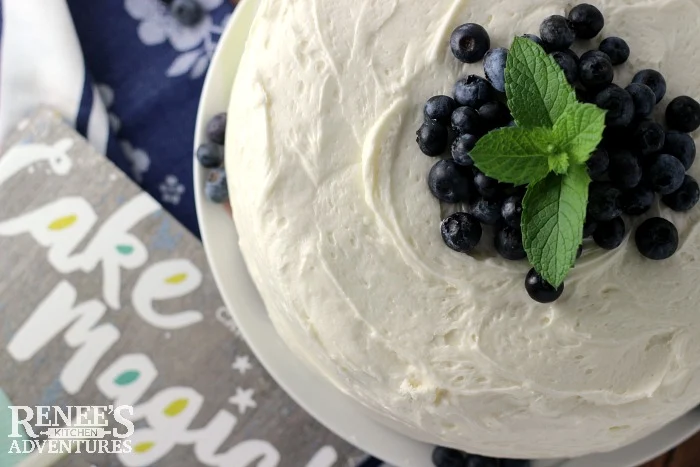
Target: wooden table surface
(685, 455)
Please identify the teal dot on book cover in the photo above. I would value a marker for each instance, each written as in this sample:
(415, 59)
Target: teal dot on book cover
(7, 459)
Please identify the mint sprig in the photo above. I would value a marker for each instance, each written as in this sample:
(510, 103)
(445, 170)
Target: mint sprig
(547, 151)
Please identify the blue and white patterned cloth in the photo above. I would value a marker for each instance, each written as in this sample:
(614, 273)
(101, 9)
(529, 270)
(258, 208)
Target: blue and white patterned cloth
(124, 72)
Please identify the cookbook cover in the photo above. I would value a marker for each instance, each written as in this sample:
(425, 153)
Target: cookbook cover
(108, 307)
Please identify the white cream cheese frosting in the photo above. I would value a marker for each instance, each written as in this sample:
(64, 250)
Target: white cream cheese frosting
(342, 236)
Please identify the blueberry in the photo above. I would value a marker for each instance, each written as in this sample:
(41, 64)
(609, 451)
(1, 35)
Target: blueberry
(210, 155)
(643, 97)
(540, 290)
(461, 147)
(649, 138)
(461, 232)
(556, 33)
(589, 227)
(449, 182)
(486, 186)
(610, 234)
(598, 163)
(683, 114)
(595, 70)
(624, 170)
(680, 146)
(447, 457)
(432, 138)
(495, 114)
(685, 198)
(187, 12)
(638, 200)
(567, 64)
(585, 95)
(656, 238)
(439, 108)
(615, 48)
(534, 38)
(469, 42)
(616, 137)
(618, 103)
(512, 211)
(216, 129)
(473, 91)
(488, 211)
(595, 53)
(216, 189)
(509, 243)
(666, 174)
(466, 120)
(586, 21)
(495, 67)
(603, 201)
(573, 56)
(654, 80)
(474, 460)
(506, 190)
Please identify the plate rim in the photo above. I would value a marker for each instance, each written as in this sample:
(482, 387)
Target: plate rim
(211, 218)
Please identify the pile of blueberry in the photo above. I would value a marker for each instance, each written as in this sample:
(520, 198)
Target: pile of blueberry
(637, 158)
(210, 155)
(186, 12)
(446, 457)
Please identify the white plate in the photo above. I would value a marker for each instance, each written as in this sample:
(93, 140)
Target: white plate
(323, 401)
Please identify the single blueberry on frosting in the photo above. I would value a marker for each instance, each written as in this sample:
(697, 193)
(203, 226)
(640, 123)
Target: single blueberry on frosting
(461, 147)
(638, 200)
(649, 138)
(470, 42)
(624, 169)
(609, 235)
(654, 80)
(556, 33)
(657, 238)
(568, 65)
(644, 99)
(683, 114)
(598, 163)
(684, 198)
(432, 138)
(540, 290)
(586, 20)
(615, 48)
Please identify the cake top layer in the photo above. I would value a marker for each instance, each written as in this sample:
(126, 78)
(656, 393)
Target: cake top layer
(338, 229)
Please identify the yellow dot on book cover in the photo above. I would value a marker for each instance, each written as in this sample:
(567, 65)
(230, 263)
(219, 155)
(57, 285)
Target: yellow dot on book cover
(63, 222)
(144, 447)
(176, 278)
(175, 407)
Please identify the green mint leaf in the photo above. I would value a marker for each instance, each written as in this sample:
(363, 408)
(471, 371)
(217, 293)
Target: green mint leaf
(536, 87)
(579, 130)
(515, 155)
(554, 210)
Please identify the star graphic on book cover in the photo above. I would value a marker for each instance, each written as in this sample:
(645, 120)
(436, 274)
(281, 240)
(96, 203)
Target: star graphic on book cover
(242, 364)
(243, 399)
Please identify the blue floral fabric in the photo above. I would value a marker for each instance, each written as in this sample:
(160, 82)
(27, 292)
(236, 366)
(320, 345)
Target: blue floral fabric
(149, 71)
